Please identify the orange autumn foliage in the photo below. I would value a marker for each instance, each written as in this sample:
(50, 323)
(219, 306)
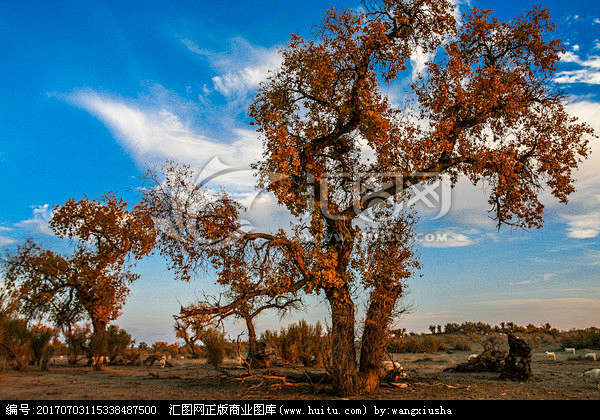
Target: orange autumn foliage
(335, 145)
(92, 279)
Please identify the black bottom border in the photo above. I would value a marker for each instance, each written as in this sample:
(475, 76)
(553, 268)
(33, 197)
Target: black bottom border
(384, 409)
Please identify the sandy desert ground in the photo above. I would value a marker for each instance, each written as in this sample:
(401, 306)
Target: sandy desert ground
(194, 379)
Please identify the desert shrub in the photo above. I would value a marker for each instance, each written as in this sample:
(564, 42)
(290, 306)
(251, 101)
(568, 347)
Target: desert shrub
(15, 347)
(581, 339)
(299, 342)
(534, 340)
(462, 344)
(416, 344)
(215, 344)
(41, 346)
(118, 342)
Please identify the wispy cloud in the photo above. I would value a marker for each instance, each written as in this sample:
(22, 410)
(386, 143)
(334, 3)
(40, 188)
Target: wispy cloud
(156, 133)
(589, 74)
(240, 69)
(583, 226)
(6, 241)
(39, 222)
(582, 215)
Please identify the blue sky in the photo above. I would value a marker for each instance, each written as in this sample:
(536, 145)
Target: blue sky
(92, 91)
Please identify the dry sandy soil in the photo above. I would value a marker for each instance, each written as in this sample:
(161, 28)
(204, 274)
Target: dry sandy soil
(193, 379)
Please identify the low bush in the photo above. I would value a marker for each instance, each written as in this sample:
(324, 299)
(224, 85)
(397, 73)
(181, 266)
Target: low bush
(417, 344)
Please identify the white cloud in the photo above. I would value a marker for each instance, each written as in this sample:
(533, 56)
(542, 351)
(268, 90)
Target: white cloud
(39, 222)
(581, 214)
(590, 73)
(583, 226)
(241, 68)
(6, 241)
(418, 60)
(578, 76)
(157, 133)
(236, 83)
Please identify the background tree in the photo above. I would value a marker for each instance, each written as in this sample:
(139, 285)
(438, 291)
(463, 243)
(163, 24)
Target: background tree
(118, 342)
(107, 238)
(77, 337)
(238, 302)
(41, 344)
(337, 151)
(15, 346)
(189, 329)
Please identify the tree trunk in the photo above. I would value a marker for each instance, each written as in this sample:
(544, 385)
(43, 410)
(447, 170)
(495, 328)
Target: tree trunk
(342, 358)
(256, 357)
(98, 344)
(375, 338)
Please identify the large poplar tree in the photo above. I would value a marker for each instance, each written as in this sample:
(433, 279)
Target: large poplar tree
(336, 148)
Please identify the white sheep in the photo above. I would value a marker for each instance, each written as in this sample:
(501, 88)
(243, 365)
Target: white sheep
(551, 355)
(473, 356)
(163, 361)
(591, 356)
(570, 350)
(592, 375)
(389, 365)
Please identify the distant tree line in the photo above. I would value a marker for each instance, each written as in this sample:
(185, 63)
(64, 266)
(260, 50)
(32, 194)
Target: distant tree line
(483, 328)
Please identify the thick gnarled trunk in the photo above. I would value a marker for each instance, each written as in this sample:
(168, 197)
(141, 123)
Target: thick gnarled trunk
(375, 337)
(257, 357)
(342, 365)
(98, 344)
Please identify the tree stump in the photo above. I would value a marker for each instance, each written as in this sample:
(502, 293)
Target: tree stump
(517, 365)
(491, 360)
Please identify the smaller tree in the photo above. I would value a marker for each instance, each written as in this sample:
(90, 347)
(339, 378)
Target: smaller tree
(41, 344)
(94, 278)
(15, 346)
(9, 302)
(240, 302)
(77, 339)
(189, 329)
(160, 347)
(118, 341)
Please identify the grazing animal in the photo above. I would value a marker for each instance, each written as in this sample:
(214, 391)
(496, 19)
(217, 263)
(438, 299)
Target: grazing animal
(163, 361)
(389, 365)
(592, 375)
(591, 356)
(551, 355)
(473, 356)
(570, 350)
